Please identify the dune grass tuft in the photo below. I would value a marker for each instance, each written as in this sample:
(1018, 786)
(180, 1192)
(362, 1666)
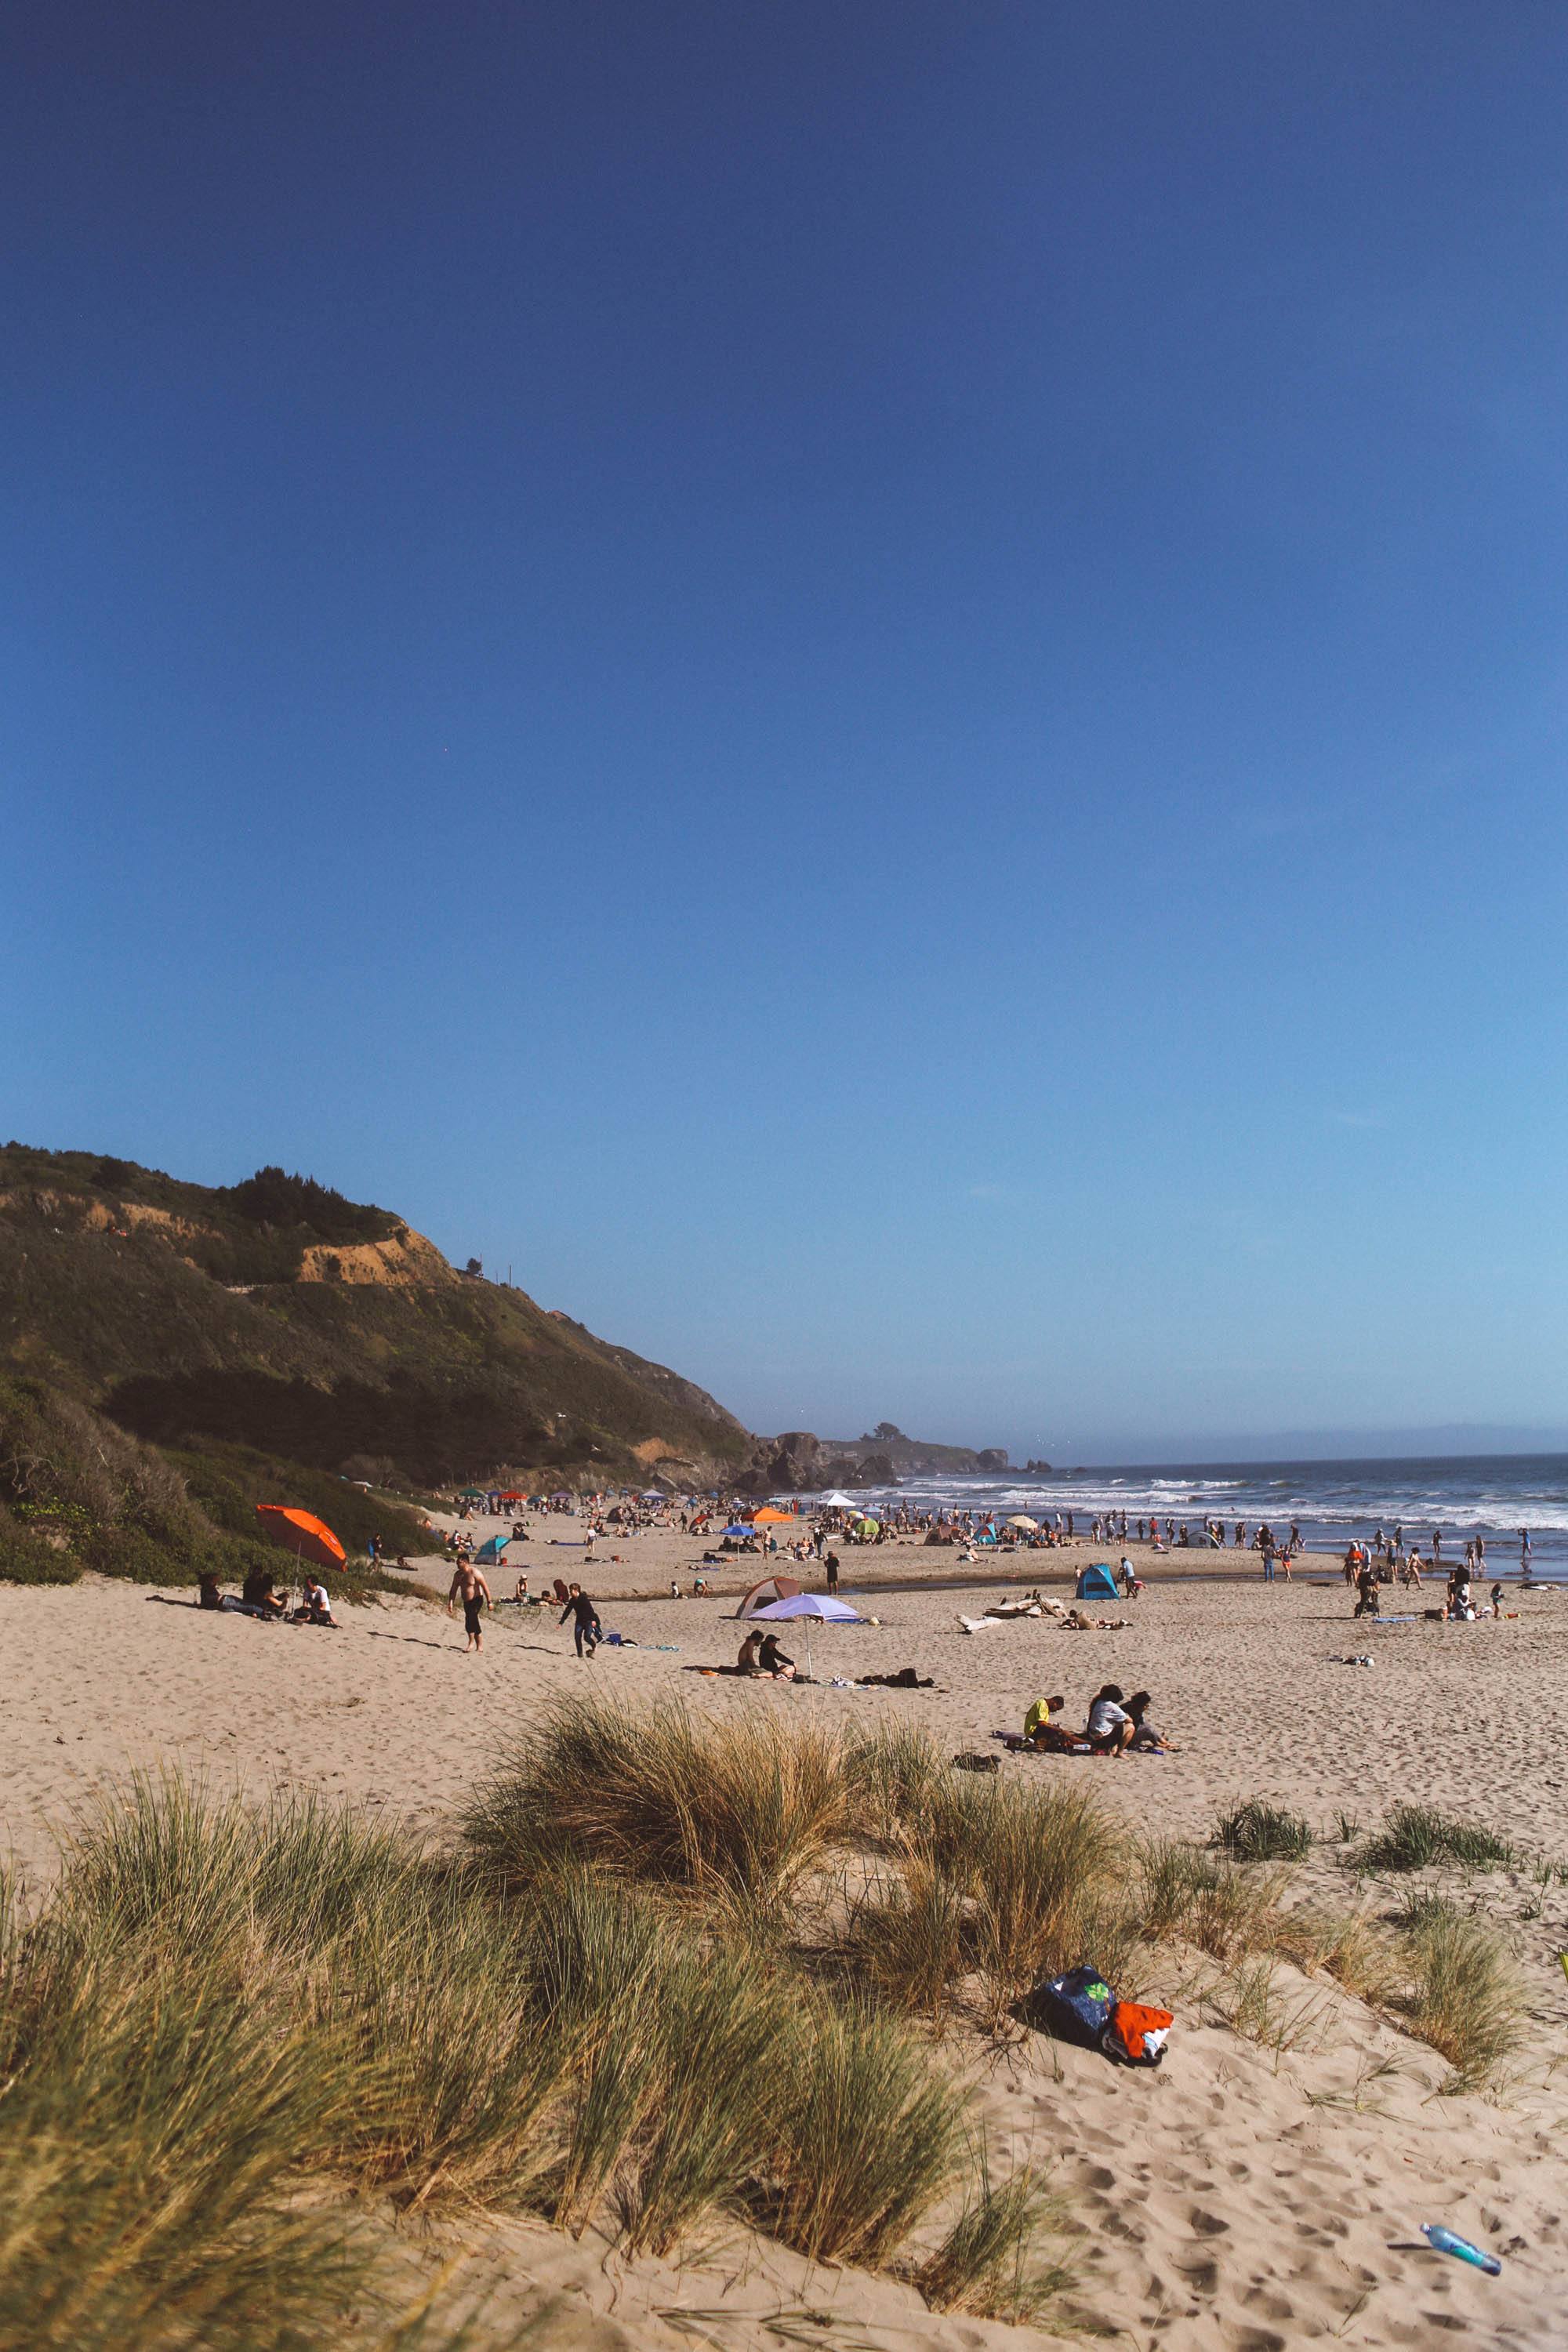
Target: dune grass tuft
(989, 2262)
(898, 1773)
(1226, 1910)
(867, 2136)
(743, 1810)
(1413, 1837)
(909, 1939)
(1253, 1831)
(1466, 1999)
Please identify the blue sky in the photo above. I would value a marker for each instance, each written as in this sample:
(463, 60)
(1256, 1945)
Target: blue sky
(882, 689)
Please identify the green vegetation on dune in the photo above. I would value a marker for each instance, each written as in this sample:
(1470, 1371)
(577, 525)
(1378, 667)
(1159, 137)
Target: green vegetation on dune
(225, 2026)
(77, 1492)
(228, 1481)
(195, 1315)
(641, 1991)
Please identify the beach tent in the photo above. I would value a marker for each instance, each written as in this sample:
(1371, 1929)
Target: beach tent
(837, 1501)
(1096, 1584)
(811, 1605)
(771, 1588)
(490, 1555)
(302, 1533)
(772, 1518)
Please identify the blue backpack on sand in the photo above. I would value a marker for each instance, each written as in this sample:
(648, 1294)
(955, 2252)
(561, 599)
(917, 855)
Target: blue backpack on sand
(1075, 2007)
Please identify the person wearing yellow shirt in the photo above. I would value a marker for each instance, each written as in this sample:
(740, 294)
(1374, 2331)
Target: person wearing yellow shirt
(1039, 1730)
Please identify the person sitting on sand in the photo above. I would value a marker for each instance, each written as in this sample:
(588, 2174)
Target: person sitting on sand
(1110, 1728)
(1369, 1603)
(1039, 1729)
(208, 1594)
(746, 1663)
(259, 1593)
(771, 1660)
(1144, 1736)
(315, 1604)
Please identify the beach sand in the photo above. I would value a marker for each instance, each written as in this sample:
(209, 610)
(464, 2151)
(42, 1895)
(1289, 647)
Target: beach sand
(1240, 2198)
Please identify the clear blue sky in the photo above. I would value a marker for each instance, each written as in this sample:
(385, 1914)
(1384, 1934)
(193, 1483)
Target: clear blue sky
(882, 688)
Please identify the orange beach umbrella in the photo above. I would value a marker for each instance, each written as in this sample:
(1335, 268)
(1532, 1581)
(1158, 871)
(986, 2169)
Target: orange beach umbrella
(297, 1531)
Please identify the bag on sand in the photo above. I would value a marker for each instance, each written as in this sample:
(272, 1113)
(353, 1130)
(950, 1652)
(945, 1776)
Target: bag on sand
(1134, 2036)
(1075, 2007)
(1080, 2007)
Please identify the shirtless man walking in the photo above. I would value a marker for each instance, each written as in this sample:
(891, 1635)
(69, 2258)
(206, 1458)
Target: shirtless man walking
(470, 1587)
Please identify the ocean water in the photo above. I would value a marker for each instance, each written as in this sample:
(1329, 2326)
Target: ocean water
(1490, 1495)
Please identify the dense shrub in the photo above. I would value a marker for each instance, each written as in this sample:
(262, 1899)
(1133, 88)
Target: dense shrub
(26, 1558)
(133, 1554)
(228, 1481)
(271, 1197)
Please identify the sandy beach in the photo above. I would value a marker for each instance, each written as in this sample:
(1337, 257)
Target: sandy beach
(1243, 2197)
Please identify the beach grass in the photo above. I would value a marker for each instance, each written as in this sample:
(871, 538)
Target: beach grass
(741, 1811)
(1252, 1831)
(992, 2261)
(225, 2021)
(232, 2036)
(1466, 2000)
(1413, 1837)
(868, 2136)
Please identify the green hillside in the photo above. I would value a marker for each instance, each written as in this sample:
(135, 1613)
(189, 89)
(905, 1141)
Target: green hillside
(274, 1314)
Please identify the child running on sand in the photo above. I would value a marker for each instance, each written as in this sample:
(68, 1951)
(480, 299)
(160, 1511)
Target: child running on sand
(587, 1629)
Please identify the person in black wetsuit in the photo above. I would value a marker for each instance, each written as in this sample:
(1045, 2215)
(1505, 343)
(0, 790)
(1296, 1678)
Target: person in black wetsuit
(772, 1661)
(585, 1627)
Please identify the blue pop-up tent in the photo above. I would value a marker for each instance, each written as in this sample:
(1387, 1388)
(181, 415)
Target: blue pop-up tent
(1096, 1584)
(489, 1555)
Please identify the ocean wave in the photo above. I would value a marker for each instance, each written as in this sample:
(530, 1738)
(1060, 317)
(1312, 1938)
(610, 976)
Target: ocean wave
(1331, 1503)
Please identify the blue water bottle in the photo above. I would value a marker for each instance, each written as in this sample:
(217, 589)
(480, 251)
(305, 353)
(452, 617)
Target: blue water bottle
(1444, 2241)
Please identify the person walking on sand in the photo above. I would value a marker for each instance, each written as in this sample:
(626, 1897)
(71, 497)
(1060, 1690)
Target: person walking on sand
(587, 1629)
(469, 1586)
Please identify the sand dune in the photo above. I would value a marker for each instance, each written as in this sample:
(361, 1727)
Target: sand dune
(1238, 2199)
